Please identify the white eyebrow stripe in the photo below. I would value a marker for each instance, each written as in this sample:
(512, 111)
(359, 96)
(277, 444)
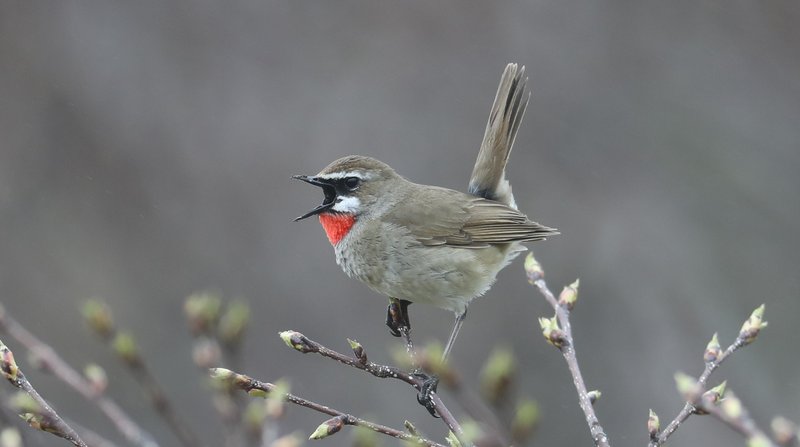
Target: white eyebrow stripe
(347, 204)
(341, 175)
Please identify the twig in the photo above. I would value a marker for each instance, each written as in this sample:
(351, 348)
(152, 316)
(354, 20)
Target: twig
(99, 318)
(252, 386)
(713, 359)
(301, 343)
(562, 339)
(729, 409)
(45, 418)
(54, 364)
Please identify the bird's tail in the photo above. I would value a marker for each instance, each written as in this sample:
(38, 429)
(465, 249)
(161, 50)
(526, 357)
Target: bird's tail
(488, 178)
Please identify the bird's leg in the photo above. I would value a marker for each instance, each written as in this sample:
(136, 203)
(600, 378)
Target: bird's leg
(399, 323)
(431, 382)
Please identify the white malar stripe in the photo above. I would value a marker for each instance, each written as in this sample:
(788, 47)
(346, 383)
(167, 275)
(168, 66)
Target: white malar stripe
(347, 204)
(341, 175)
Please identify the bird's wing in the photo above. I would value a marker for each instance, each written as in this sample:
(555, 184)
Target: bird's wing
(463, 220)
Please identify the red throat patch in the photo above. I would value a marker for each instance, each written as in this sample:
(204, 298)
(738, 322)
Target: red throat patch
(336, 226)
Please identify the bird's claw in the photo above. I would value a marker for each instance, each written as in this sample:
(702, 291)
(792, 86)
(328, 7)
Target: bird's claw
(426, 389)
(397, 317)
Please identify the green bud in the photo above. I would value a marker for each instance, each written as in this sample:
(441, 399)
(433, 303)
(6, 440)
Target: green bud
(202, 310)
(552, 332)
(253, 418)
(358, 350)
(10, 437)
(759, 440)
(594, 396)
(234, 322)
(297, 341)
(687, 386)
(533, 269)
(98, 316)
(125, 347)
(256, 392)
(732, 407)
(364, 437)
(8, 366)
(569, 295)
(752, 326)
(653, 425)
(411, 428)
(328, 428)
(96, 376)
(526, 417)
(714, 395)
(221, 374)
(497, 374)
(713, 350)
(784, 431)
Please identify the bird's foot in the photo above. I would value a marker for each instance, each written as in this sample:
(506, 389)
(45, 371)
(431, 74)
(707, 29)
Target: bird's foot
(397, 317)
(429, 385)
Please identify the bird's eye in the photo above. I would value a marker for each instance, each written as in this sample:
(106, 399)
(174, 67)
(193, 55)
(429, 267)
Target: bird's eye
(352, 182)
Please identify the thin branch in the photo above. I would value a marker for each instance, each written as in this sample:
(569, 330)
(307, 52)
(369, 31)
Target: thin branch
(728, 409)
(249, 385)
(562, 339)
(301, 343)
(45, 418)
(99, 318)
(713, 359)
(54, 364)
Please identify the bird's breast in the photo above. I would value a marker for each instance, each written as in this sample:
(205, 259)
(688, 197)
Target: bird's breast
(336, 226)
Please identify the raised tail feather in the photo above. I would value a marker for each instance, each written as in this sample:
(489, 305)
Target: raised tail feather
(488, 178)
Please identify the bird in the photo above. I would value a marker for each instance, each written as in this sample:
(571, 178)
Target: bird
(418, 243)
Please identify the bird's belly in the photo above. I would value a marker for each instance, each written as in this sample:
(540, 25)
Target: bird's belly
(446, 277)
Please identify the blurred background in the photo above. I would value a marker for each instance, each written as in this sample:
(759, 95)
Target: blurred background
(147, 149)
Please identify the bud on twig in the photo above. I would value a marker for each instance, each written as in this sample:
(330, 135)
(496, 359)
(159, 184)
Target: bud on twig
(732, 407)
(752, 326)
(297, 341)
(497, 374)
(125, 347)
(233, 323)
(411, 428)
(687, 386)
(8, 366)
(569, 295)
(358, 350)
(526, 417)
(205, 352)
(713, 350)
(653, 425)
(552, 332)
(759, 440)
(98, 316)
(594, 396)
(202, 310)
(784, 431)
(533, 269)
(10, 437)
(328, 428)
(97, 378)
(221, 374)
(714, 395)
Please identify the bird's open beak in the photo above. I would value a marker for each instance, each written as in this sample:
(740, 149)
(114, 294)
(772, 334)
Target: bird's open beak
(327, 188)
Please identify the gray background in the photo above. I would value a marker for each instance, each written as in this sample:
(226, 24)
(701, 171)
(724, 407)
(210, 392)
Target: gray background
(146, 150)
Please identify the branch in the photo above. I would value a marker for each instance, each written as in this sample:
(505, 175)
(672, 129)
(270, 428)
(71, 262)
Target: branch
(257, 388)
(45, 418)
(728, 409)
(303, 344)
(713, 359)
(54, 364)
(99, 318)
(561, 337)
